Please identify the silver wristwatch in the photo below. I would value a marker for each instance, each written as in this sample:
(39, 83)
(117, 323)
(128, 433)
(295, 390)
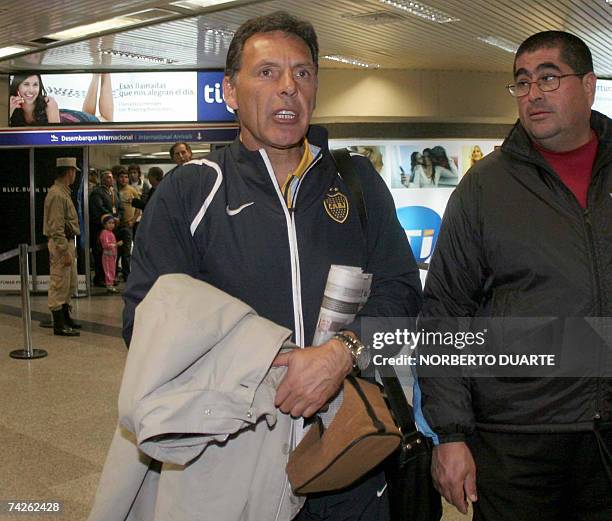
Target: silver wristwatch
(358, 350)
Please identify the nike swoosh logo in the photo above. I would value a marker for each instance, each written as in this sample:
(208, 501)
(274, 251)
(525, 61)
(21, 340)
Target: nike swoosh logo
(236, 211)
(381, 491)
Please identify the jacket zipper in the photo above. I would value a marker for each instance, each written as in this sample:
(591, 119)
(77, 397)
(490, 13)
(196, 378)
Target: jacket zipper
(296, 286)
(294, 233)
(588, 225)
(597, 276)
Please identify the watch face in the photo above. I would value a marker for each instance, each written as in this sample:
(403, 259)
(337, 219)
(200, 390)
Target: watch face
(363, 359)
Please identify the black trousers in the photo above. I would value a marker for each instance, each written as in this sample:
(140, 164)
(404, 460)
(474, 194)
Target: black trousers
(543, 477)
(124, 233)
(367, 500)
(96, 251)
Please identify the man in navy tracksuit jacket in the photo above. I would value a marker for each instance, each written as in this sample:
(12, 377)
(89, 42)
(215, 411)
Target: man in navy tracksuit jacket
(264, 219)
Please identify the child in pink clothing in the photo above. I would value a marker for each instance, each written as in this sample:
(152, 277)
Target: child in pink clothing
(109, 251)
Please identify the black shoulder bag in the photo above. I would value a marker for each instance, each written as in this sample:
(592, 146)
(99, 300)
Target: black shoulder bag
(412, 495)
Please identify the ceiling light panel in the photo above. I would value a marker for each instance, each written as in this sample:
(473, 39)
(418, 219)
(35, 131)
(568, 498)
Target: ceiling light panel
(136, 56)
(501, 43)
(421, 10)
(200, 4)
(350, 61)
(118, 22)
(13, 49)
(375, 18)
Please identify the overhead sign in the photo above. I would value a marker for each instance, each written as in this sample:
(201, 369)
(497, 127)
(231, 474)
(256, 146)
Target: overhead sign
(17, 138)
(603, 97)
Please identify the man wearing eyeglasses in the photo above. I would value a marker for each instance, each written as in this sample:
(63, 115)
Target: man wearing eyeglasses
(528, 233)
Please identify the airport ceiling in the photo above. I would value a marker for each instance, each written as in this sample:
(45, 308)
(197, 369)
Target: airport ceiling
(387, 33)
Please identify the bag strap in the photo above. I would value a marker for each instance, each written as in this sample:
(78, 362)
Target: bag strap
(344, 165)
(380, 426)
(401, 409)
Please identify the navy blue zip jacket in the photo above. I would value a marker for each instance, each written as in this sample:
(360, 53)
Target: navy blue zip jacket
(223, 220)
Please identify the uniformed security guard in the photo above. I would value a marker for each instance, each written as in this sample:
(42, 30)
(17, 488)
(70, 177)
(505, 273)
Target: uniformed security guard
(60, 226)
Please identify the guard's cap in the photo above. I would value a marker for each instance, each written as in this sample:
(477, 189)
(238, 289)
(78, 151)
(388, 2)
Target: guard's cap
(67, 162)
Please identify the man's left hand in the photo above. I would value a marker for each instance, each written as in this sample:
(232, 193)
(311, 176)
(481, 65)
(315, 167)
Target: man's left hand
(314, 375)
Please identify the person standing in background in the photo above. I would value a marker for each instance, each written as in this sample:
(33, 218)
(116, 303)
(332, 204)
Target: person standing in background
(109, 245)
(136, 180)
(61, 226)
(180, 153)
(142, 186)
(104, 199)
(131, 215)
(155, 175)
(92, 180)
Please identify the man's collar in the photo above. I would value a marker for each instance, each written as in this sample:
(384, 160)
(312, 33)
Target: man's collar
(518, 141)
(62, 185)
(316, 136)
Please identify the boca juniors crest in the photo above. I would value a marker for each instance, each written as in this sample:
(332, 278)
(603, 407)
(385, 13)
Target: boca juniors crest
(336, 205)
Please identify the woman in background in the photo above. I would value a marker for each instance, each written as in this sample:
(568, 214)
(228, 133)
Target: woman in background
(373, 153)
(29, 103)
(445, 170)
(425, 177)
(477, 154)
(417, 169)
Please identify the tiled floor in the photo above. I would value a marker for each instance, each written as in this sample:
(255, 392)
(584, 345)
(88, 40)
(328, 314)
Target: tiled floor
(58, 413)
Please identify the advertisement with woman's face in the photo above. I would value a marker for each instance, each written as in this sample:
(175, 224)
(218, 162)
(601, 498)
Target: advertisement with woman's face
(474, 152)
(73, 99)
(421, 163)
(422, 175)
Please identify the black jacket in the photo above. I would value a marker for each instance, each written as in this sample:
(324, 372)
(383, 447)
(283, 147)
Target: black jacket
(222, 220)
(515, 242)
(100, 203)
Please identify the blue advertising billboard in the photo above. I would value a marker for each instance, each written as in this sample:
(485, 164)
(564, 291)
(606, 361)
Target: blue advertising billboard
(122, 97)
(211, 106)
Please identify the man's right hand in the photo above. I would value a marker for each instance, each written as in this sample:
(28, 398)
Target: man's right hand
(454, 474)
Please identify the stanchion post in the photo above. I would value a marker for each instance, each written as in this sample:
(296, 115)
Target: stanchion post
(24, 272)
